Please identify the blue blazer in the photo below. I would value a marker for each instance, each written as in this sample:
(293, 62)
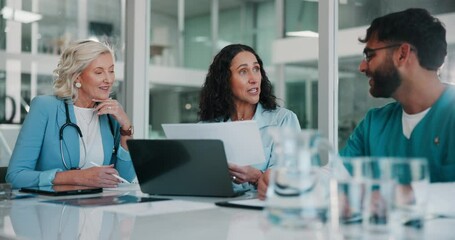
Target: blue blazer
(37, 157)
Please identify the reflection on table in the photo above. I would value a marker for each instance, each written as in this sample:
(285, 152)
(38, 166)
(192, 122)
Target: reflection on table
(181, 218)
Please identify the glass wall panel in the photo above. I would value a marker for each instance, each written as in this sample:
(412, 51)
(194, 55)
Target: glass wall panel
(2, 28)
(264, 30)
(301, 15)
(198, 41)
(246, 22)
(179, 56)
(302, 93)
(58, 25)
(301, 21)
(236, 26)
(354, 18)
(104, 24)
(164, 35)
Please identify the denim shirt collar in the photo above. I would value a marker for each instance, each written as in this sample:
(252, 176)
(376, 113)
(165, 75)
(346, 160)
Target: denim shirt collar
(262, 120)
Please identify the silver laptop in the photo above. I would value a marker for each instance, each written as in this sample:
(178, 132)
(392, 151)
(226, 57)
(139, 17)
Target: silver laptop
(182, 167)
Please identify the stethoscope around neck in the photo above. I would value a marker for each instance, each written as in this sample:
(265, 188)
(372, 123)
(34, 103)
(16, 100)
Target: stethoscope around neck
(68, 123)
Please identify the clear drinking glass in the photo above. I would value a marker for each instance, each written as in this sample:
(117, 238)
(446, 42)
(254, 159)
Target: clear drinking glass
(380, 196)
(358, 197)
(5, 191)
(410, 195)
(298, 194)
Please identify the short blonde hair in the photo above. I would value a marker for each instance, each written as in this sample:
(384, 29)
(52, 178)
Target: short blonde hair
(74, 59)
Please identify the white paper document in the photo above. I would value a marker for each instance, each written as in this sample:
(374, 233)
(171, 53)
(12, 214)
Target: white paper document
(242, 140)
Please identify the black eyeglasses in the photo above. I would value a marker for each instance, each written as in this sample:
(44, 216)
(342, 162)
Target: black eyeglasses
(368, 53)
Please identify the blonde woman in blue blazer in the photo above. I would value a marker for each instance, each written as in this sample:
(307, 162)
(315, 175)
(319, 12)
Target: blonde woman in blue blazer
(64, 137)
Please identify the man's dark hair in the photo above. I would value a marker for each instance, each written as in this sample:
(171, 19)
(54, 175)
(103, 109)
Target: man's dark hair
(216, 99)
(416, 27)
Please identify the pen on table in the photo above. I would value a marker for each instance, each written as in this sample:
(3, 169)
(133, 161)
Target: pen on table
(115, 175)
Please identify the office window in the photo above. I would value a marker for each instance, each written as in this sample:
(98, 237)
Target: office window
(301, 78)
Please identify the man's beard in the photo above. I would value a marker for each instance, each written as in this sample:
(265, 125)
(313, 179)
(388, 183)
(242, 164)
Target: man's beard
(386, 80)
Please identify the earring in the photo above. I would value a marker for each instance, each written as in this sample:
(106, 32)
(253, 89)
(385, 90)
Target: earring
(78, 85)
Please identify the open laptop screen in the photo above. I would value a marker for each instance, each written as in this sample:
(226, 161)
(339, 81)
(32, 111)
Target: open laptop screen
(181, 167)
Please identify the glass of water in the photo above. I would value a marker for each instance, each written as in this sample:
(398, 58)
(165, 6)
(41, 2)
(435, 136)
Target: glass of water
(297, 195)
(410, 178)
(380, 196)
(5, 191)
(360, 198)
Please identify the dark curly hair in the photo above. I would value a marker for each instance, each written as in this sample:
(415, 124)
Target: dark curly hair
(216, 99)
(417, 27)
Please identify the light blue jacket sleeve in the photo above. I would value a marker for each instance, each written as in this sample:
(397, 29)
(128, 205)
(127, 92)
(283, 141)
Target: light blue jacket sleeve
(266, 119)
(122, 158)
(124, 165)
(24, 167)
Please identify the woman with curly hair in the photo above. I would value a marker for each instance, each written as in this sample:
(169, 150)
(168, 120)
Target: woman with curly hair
(237, 88)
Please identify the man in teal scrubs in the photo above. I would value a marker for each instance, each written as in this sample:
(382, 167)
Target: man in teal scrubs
(403, 53)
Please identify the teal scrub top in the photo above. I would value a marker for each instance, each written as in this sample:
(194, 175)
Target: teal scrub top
(380, 133)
